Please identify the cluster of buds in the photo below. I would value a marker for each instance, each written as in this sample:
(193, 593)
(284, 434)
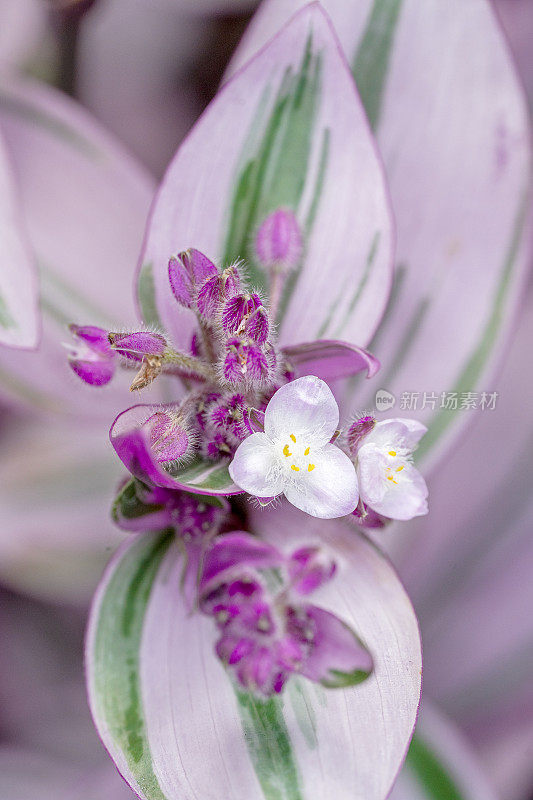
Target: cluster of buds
(234, 323)
(266, 636)
(223, 420)
(248, 354)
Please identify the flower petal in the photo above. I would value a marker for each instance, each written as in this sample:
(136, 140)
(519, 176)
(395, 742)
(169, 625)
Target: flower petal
(442, 95)
(304, 407)
(338, 657)
(255, 467)
(187, 705)
(292, 115)
(400, 434)
(402, 500)
(330, 490)
(330, 360)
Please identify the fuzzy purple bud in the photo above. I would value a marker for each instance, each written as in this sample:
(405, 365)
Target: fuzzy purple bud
(188, 271)
(169, 439)
(278, 243)
(93, 359)
(256, 363)
(244, 362)
(357, 432)
(257, 326)
(234, 313)
(138, 344)
(216, 290)
(218, 447)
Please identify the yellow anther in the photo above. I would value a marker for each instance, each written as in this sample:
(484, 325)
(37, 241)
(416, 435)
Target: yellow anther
(295, 468)
(306, 451)
(286, 451)
(390, 478)
(311, 467)
(392, 452)
(399, 469)
(293, 437)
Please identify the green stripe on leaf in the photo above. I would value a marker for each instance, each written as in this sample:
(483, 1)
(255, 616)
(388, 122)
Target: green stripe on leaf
(371, 62)
(434, 778)
(269, 745)
(274, 171)
(115, 655)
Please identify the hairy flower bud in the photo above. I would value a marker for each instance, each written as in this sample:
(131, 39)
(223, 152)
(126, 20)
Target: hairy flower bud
(187, 272)
(278, 242)
(169, 437)
(244, 361)
(257, 326)
(237, 309)
(216, 290)
(138, 344)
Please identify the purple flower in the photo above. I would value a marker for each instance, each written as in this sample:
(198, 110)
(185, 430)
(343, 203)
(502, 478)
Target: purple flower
(93, 360)
(265, 636)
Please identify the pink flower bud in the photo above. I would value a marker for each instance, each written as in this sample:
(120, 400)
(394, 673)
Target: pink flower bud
(138, 344)
(169, 439)
(278, 243)
(187, 272)
(216, 290)
(257, 326)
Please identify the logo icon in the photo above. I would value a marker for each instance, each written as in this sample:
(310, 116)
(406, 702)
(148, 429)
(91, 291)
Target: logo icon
(384, 400)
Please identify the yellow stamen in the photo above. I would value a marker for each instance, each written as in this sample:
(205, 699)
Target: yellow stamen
(390, 478)
(293, 437)
(295, 468)
(311, 467)
(286, 451)
(306, 451)
(392, 452)
(399, 469)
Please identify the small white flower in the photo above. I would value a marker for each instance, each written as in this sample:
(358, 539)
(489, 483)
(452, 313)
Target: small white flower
(294, 454)
(388, 481)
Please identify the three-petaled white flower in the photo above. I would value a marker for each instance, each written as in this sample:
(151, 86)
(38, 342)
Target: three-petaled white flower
(388, 481)
(294, 455)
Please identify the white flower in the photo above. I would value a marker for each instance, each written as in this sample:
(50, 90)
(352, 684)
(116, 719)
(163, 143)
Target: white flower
(294, 454)
(388, 481)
